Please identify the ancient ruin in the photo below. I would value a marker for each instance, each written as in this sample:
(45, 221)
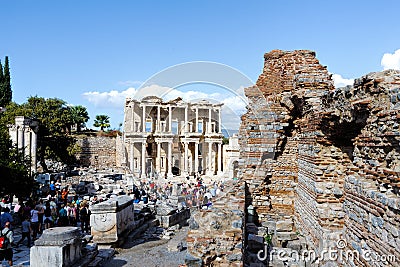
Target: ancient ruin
(24, 136)
(322, 164)
(111, 219)
(314, 169)
(163, 139)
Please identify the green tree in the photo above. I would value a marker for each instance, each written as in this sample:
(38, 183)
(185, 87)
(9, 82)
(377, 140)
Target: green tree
(1, 80)
(225, 140)
(102, 121)
(55, 119)
(5, 84)
(79, 116)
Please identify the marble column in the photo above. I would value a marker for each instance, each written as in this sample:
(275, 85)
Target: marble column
(209, 121)
(185, 158)
(33, 151)
(219, 159)
(27, 142)
(143, 167)
(158, 125)
(20, 141)
(219, 121)
(132, 159)
(170, 119)
(196, 157)
(170, 163)
(186, 120)
(158, 163)
(133, 117)
(197, 121)
(144, 119)
(210, 170)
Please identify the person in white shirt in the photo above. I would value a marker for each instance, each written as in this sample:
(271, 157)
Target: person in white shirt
(35, 222)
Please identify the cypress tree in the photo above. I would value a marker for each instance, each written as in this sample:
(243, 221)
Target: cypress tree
(6, 90)
(1, 73)
(1, 81)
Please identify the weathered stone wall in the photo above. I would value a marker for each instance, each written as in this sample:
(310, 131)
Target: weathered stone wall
(98, 151)
(215, 237)
(372, 178)
(326, 159)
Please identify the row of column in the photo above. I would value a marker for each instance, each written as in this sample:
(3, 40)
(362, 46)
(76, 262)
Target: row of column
(196, 158)
(158, 125)
(27, 142)
(143, 158)
(185, 158)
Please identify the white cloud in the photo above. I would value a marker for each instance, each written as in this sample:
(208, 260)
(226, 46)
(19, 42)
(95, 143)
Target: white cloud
(235, 103)
(192, 95)
(391, 61)
(340, 81)
(111, 99)
(232, 110)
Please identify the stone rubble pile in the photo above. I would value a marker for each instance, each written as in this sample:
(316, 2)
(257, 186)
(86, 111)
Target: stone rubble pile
(215, 235)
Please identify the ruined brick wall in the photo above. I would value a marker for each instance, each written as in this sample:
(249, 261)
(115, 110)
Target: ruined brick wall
(98, 152)
(372, 178)
(270, 170)
(335, 169)
(292, 84)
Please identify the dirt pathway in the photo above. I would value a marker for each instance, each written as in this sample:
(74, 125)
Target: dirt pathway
(152, 250)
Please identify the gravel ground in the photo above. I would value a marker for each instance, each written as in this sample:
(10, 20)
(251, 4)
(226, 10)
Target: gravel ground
(151, 250)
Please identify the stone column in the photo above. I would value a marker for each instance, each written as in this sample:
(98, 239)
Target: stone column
(219, 121)
(219, 159)
(133, 117)
(20, 141)
(196, 157)
(170, 119)
(185, 159)
(33, 151)
(143, 167)
(169, 174)
(132, 158)
(186, 120)
(197, 120)
(209, 170)
(144, 119)
(158, 161)
(158, 125)
(27, 141)
(209, 121)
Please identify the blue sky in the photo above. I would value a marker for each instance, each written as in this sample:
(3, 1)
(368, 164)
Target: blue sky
(91, 52)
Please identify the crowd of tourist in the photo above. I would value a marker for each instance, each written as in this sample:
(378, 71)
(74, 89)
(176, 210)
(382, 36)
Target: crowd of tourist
(59, 208)
(197, 195)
